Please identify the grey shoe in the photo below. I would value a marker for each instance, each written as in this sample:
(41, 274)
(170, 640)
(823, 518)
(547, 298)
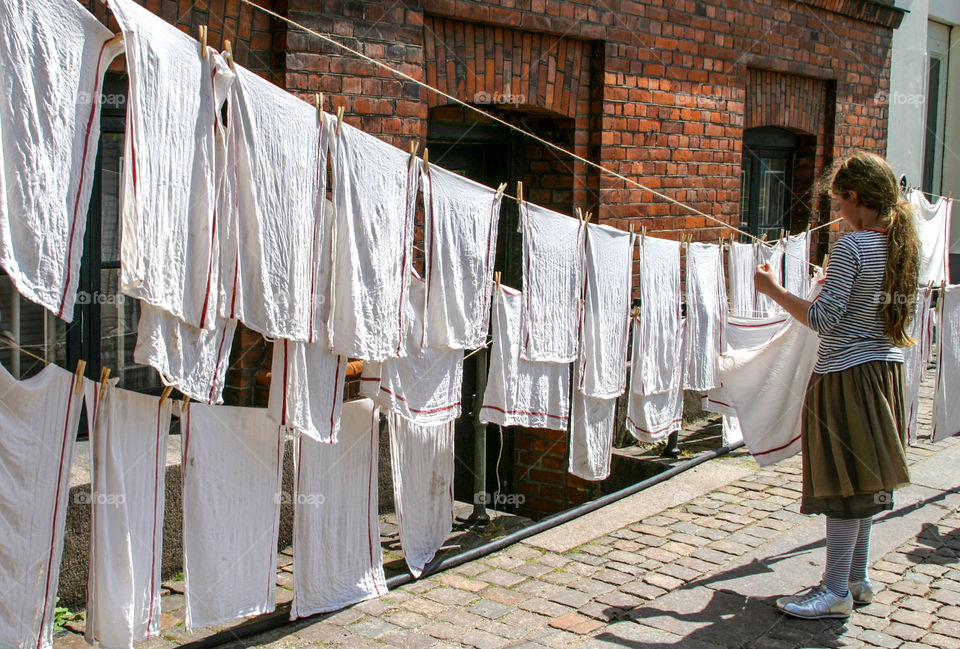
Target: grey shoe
(862, 591)
(816, 603)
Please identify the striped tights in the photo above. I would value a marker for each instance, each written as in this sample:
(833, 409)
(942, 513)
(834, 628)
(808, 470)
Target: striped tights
(848, 547)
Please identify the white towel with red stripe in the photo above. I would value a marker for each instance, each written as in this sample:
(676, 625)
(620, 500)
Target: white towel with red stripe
(742, 267)
(552, 284)
(707, 313)
(422, 463)
(659, 332)
(276, 179)
(38, 426)
(651, 417)
(306, 388)
(916, 357)
(460, 221)
(932, 222)
(946, 409)
(374, 197)
(193, 360)
(129, 452)
(521, 392)
(336, 537)
(53, 56)
(604, 335)
(170, 247)
(423, 385)
(232, 470)
(766, 387)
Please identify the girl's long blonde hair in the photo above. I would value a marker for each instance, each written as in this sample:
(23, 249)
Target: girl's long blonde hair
(876, 186)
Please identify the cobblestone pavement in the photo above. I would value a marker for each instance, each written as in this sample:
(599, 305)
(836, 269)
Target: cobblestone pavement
(700, 574)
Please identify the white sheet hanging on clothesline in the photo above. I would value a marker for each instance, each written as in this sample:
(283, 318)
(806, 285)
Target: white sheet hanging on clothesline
(916, 357)
(169, 248)
(742, 267)
(53, 56)
(460, 223)
(796, 263)
(604, 332)
(336, 537)
(772, 255)
(421, 459)
(232, 471)
(946, 409)
(552, 284)
(521, 392)
(660, 330)
(273, 222)
(707, 313)
(651, 417)
(38, 426)
(374, 197)
(766, 384)
(129, 451)
(932, 222)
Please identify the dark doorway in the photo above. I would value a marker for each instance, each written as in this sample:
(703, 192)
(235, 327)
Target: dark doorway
(487, 154)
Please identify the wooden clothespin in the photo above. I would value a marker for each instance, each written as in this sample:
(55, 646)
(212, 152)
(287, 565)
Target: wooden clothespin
(319, 98)
(781, 233)
(764, 237)
(502, 188)
(104, 376)
(78, 373)
(228, 47)
(426, 160)
(185, 404)
(520, 193)
(580, 215)
(340, 110)
(414, 146)
(165, 394)
(203, 41)
(496, 281)
(588, 217)
(118, 38)
(630, 227)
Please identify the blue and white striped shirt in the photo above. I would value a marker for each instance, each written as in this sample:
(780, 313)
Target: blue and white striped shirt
(846, 315)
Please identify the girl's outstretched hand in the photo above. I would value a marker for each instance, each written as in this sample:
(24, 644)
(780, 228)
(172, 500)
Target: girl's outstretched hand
(764, 280)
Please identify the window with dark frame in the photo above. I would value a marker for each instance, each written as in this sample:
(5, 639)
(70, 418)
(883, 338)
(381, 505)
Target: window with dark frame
(766, 180)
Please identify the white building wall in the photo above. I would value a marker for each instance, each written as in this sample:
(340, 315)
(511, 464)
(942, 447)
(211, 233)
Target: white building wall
(908, 78)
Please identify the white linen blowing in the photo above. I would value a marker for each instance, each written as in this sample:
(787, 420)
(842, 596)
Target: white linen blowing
(276, 172)
(169, 247)
(53, 56)
(461, 219)
(552, 284)
(374, 196)
(932, 222)
(232, 469)
(38, 426)
(608, 277)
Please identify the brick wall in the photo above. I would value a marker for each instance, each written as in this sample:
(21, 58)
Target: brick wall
(658, 92)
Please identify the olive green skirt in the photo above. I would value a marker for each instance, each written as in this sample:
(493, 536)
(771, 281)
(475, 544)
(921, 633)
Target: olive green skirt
(853, 438)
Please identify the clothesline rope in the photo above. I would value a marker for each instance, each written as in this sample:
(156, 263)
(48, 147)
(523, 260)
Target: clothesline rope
(513, 127)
